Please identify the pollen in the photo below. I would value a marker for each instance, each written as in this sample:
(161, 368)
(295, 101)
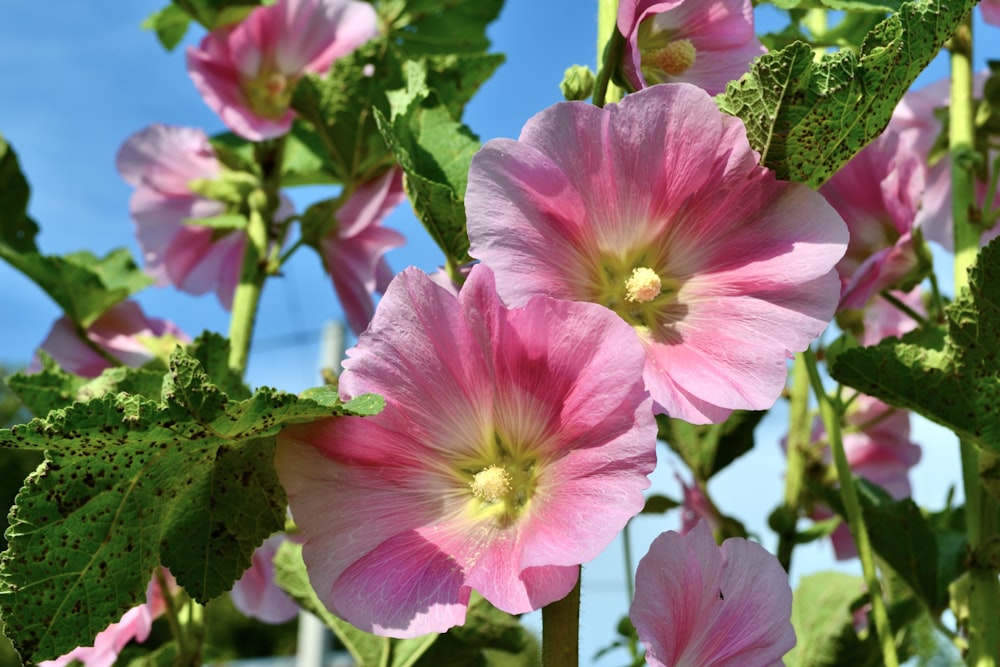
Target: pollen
(643, 285)
(676, 57)
(490, 484)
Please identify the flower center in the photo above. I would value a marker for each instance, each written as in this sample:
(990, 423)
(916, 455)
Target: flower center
(490, 484)
(643, 285)
(675, 58)
(269, 94)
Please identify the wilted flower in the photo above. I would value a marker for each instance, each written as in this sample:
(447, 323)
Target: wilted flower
(354, 250)
(246, 73)
(657, 209)
(257, 594)
(878, 195)
(161, 162)
(123, 332)
(700, 605)
(707, 43)
(513, 446)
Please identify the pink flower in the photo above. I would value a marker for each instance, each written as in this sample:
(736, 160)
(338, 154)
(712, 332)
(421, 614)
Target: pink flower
(513, 446)
(883, 320)
(354, 250)
(878, 448)
(134, 625)
(123, 333)
(700, 605)
(656, 208)
(697, 507)
(246, 73)
(916, 122)
(878, 195)
(991, 11)
(160, 162)
(705, 42)
(257, 595)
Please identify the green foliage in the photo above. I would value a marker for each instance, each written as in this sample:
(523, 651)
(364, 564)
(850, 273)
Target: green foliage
(824, 626)
(948, 376)
(129, 482)
(842, 5)
(426, 27)
(435, 152)
(708, 449)
(808, 118)
(214, 14)
(170, 25)
(80, 283)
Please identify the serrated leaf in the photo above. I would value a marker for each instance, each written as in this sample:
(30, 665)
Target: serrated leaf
(17, 230)
(130, 483)
(170, 25)
(808, 118)
(951, 379)
(424, 27)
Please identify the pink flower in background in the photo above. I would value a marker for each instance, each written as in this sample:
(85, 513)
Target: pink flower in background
(257, 595)
(704, 42)
(696, 508)
(657, 209)
(354, 250)
(123, 332)
(134, 625)
(700, 605)
(878, 194)
(915, 120)
(991, 11)
(160, 162)
(883, 320)
(246, 73)
(878, 448)
(513, 446)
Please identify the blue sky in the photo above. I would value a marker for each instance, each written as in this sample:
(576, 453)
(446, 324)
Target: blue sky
(76, 81)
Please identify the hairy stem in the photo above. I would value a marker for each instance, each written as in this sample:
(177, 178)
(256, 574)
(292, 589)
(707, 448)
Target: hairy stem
(798, 442)
(561, 630)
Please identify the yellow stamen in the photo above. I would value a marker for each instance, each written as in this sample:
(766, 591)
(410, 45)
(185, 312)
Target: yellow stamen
(643, 285)
(676, 57)
(490, 484)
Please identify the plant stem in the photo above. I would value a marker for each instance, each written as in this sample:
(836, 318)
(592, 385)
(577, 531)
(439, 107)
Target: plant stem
(610, 49)
(982, 516)
(855, 518)
(263, 204)
(798, 442)
(629, 569)
(561, 630)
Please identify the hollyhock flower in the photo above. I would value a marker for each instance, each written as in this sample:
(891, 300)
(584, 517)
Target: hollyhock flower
(878, 194)
(991, 11)
(134, 625)
(882, 319)
(701, 605)
(123, 332)
(705, 42)
(160, 162)
(878, 448)
(513, 446)
(915, 120)
(696, 508)
(657, 209)
(257, 595)
(354, 250)
(246, 73)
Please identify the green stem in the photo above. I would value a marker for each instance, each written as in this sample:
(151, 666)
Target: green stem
(855, 518)
(263, 203)
(903, 308)
(170, 611)
(561, 630)
(629, 571)
(610, 50)
(982, 516)
(798, 443)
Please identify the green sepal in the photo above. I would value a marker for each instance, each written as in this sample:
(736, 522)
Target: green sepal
(808, 118)
(130, 483)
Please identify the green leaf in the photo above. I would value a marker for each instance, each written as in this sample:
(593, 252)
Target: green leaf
(708, 449)
(808, 118)
(214, 14)
(424, 27)
(17, 230)
(435, 152)
(130, 483)
(170, 24)
(823, 622)
(951, 379)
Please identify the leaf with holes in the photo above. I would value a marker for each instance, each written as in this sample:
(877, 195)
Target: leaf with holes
(130, 483)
